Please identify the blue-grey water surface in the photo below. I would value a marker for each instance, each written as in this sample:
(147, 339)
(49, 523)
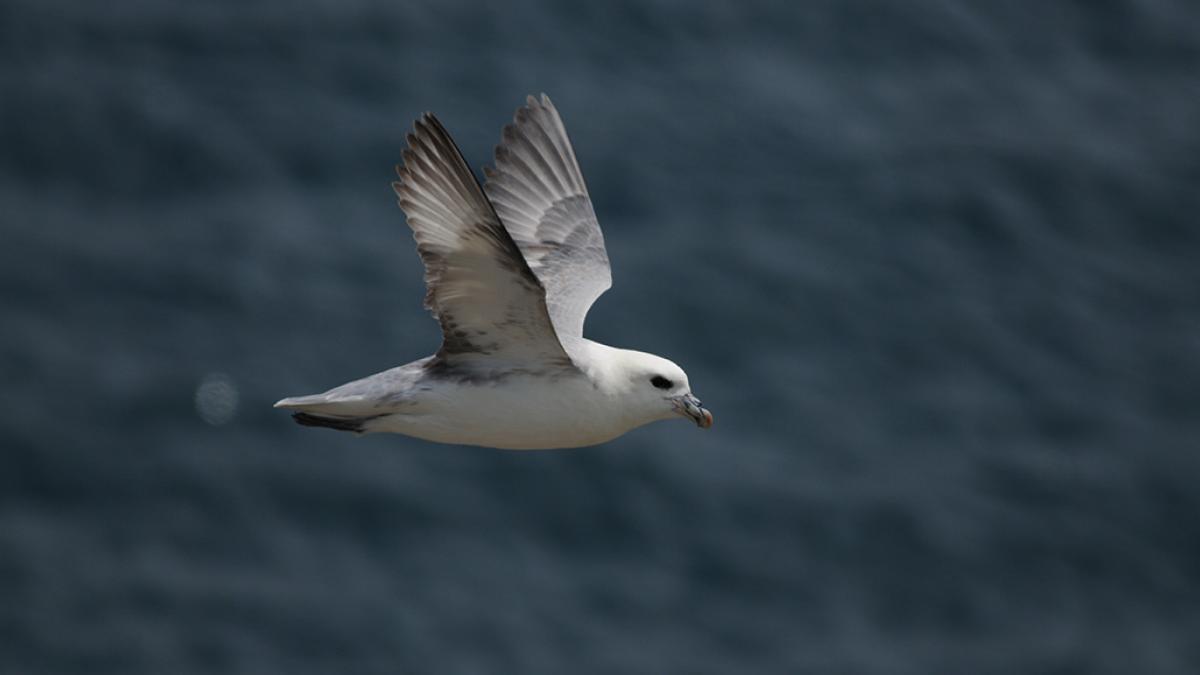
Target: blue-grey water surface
(933, 265)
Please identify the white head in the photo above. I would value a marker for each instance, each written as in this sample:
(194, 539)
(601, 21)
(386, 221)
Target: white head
(652, 388)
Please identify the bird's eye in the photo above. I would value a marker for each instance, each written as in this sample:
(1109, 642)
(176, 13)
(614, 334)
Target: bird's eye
(661, 382)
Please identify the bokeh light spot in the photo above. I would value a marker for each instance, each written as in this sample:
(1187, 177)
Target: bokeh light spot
(216, 399)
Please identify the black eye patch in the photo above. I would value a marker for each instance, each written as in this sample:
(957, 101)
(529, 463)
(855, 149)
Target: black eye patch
(661, 382)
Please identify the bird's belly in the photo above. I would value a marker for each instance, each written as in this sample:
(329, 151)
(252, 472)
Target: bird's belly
(513, 416)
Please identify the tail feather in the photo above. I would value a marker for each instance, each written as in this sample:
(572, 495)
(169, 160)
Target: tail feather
(355, 424)
(328, 405)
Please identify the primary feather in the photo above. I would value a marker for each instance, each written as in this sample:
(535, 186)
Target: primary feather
(489, 303)
(538, 191)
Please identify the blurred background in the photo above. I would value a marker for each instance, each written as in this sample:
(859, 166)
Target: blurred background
(933, 265)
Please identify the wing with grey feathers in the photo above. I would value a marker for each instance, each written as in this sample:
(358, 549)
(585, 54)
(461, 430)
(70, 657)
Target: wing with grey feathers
(491, 306)
(538, 191)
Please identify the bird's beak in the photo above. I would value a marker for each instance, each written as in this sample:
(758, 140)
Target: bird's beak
(690, 406)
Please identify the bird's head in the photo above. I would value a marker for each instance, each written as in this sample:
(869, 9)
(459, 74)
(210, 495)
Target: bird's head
(654, 388)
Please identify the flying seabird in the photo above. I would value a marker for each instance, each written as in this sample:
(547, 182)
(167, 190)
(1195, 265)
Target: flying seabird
(511, 270)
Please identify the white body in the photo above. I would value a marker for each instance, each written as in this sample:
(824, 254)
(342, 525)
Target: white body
(606, 396)
(539, 416)
(516, 413)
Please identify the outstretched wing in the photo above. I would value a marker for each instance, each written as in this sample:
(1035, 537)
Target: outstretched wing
(539, 193)
(490, 305)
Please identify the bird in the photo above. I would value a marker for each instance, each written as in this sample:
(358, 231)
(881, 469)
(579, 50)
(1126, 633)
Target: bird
(511, 268)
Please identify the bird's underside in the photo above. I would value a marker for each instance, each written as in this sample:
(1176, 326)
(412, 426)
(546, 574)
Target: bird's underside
(516, 411)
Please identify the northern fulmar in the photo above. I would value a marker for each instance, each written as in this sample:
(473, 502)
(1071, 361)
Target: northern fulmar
(511, 269)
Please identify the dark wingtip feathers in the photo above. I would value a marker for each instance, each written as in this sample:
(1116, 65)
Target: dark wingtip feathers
(354, 424)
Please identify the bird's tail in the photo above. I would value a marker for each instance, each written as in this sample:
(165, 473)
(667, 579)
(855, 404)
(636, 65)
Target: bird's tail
(335, 412)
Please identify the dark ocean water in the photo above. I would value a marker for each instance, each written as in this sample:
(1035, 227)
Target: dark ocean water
(933, 265)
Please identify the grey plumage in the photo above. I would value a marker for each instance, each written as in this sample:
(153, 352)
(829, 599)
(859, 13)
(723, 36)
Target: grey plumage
(479, 286)
(538, 191)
